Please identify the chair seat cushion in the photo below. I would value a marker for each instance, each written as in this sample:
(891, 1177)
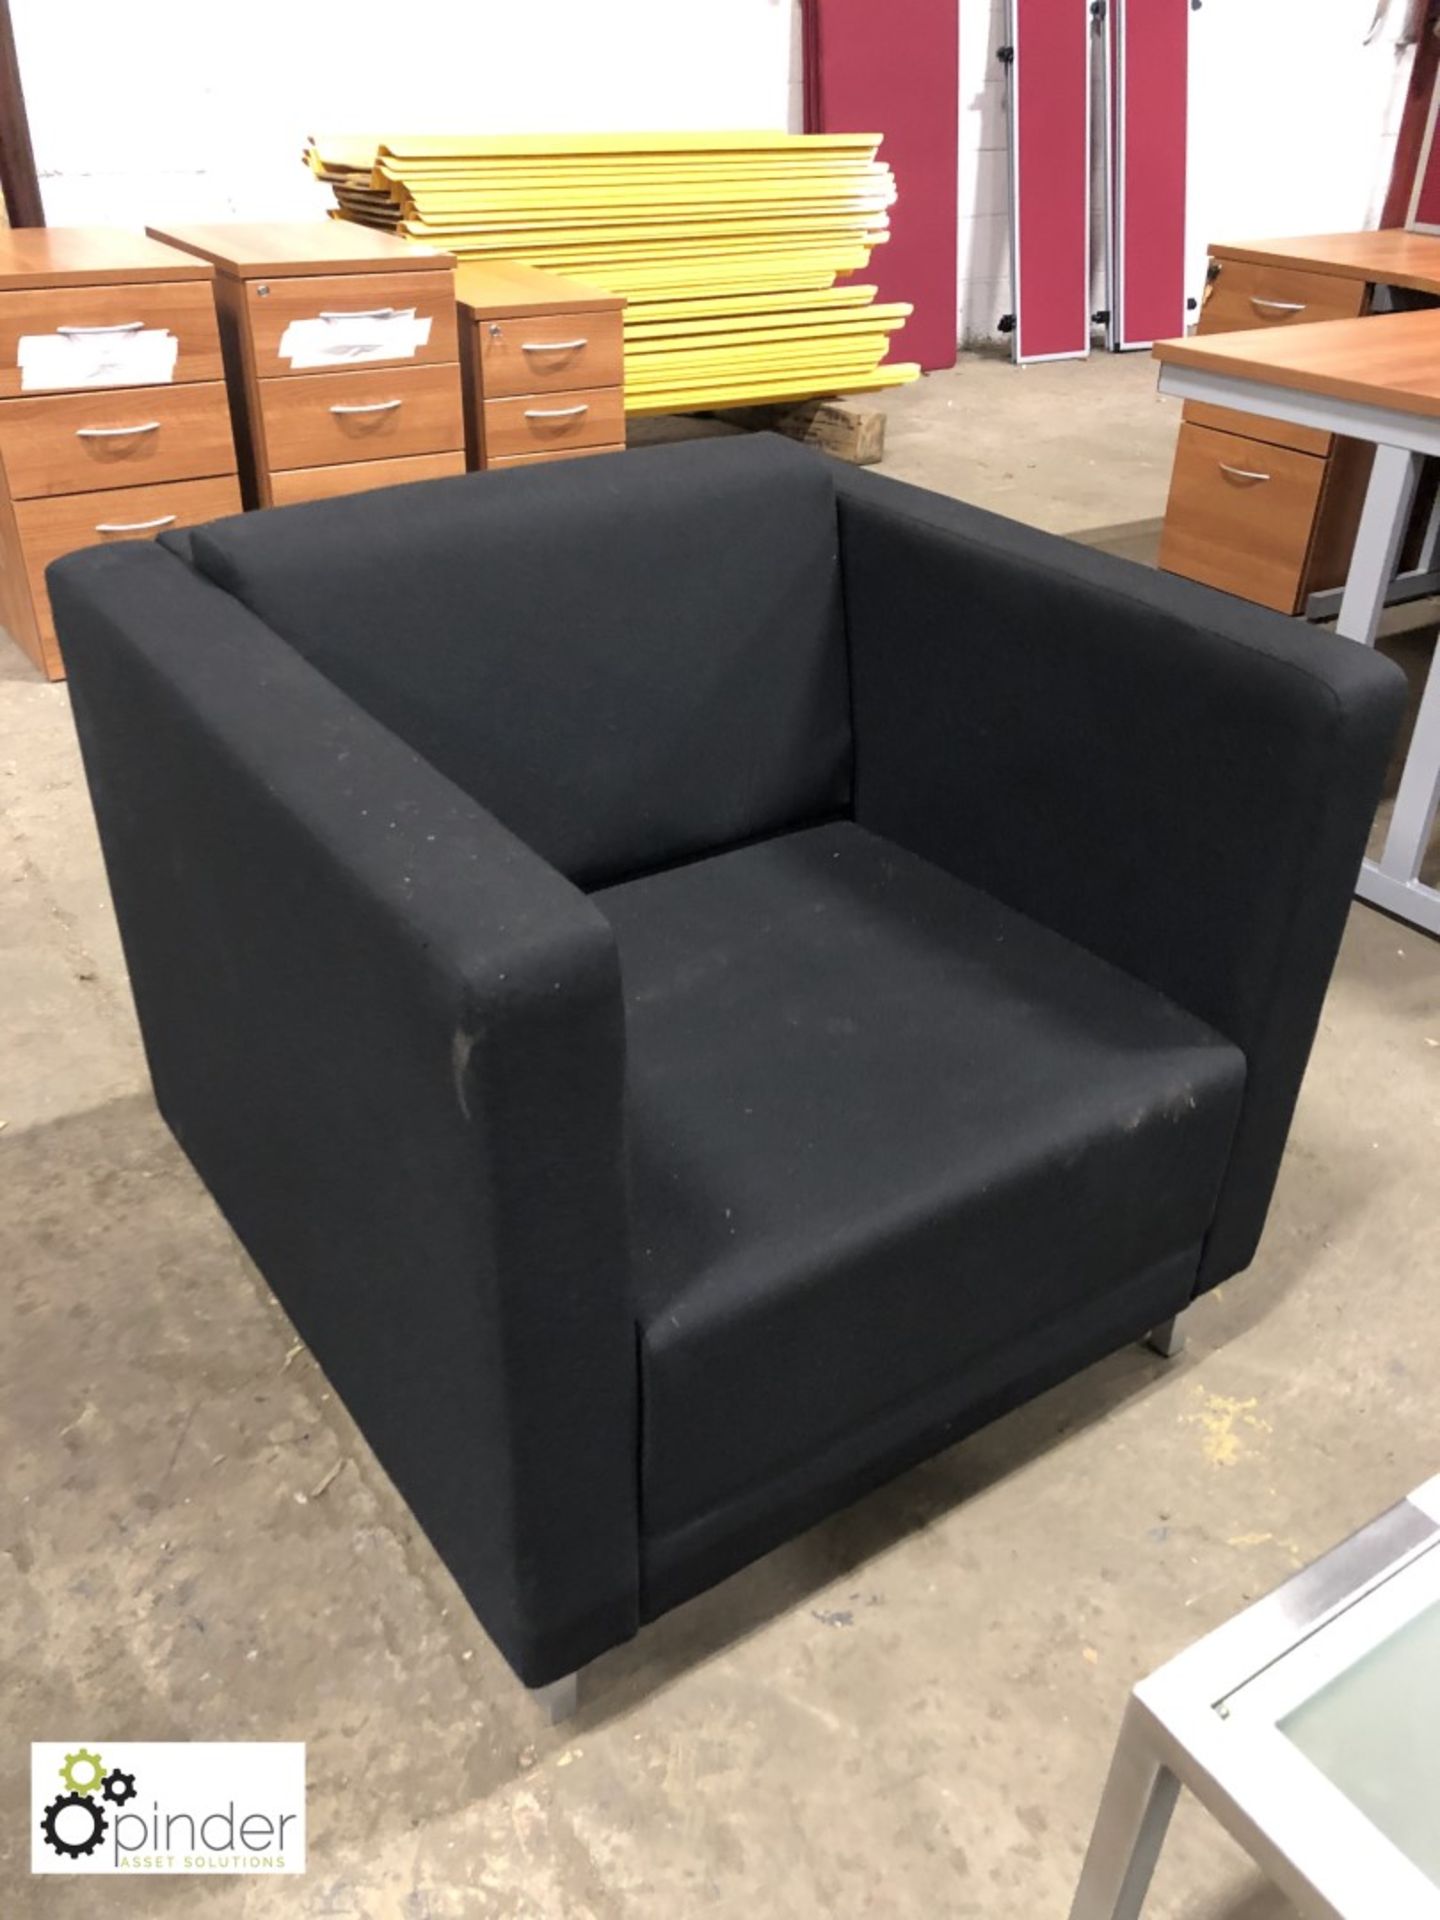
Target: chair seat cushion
(879, 1126)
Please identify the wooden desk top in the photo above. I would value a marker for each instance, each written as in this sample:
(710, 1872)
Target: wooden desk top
(1389, 256)
(1389, 360)
(90, 256)
(503, 289)
(271, 249)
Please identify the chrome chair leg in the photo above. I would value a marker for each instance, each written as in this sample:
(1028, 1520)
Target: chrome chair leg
(1168, 1338)
(559, 1700)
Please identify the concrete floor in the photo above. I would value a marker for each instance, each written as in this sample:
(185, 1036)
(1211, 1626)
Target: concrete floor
(907, 1712)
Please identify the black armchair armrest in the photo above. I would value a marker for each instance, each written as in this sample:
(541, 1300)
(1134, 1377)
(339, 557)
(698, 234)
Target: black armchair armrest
(391, 1039)
(1176, 781)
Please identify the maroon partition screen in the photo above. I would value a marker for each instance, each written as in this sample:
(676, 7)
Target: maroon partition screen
(1425, 217)
(894, 69)
(1149, 43)
(1414, 147)
(1423, 212)
(1050, 177)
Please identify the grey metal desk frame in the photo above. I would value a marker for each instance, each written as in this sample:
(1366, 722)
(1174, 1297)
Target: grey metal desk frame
(1401, 441)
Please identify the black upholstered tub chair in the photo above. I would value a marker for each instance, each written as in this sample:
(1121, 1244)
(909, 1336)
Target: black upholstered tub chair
(700, 977)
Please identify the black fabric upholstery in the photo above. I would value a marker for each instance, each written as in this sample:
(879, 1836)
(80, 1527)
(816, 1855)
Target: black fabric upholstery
(180, 541)
(622, 674)
(880, 1127)
(638, 1229)
(1172, 779)
(391, 1041)
(684, 1561)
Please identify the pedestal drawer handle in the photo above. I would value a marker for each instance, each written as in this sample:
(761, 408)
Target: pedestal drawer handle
(133, 526)
(120, 326)
(1278, 306)
(373, 406)
(116, 433)
(556, 413)
(555, 346)
(1241, 473)
(362, 313)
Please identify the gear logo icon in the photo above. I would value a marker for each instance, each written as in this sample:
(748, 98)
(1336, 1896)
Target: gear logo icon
(118, 1787)
(81, 1837)
(77, 1820)
(88, 1765)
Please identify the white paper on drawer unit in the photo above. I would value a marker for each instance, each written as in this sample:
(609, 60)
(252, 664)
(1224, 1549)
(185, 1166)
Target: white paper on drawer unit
(123, 356)
(350, 339)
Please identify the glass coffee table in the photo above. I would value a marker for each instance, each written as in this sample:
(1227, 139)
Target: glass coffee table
(1309, 1726)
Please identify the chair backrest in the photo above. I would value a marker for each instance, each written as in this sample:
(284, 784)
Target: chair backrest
(629, 659)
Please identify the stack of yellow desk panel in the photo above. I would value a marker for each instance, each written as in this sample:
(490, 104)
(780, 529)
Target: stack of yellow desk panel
(726, 246)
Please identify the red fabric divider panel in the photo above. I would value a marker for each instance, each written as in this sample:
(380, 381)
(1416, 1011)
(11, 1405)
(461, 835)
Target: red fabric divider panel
(810, 63)
(894, 69)
(1150, 47)
(1427, 200)
(1050, 177)
(1410, 148)
(1423, 211)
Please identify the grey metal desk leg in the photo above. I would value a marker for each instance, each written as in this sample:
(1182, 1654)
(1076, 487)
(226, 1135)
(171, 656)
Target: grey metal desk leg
(1130, 1827)
(1388, 500)
(1415, 803)
(1430, 545)
(1394, 881)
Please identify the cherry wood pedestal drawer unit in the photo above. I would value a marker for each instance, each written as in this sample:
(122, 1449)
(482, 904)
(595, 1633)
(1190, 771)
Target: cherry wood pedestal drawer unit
(542, 359)
(1259, 508)
(113, 414)
(1215, 523)
(341, 356)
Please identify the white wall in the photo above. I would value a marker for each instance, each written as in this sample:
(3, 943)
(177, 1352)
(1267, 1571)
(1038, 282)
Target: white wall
(1294, 118)
(1292, 128)
(984, 196)
(181, 109)
(150, 110)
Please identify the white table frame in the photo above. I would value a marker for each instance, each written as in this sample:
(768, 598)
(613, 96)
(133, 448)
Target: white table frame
(1180, 1729)
(1401, 441)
